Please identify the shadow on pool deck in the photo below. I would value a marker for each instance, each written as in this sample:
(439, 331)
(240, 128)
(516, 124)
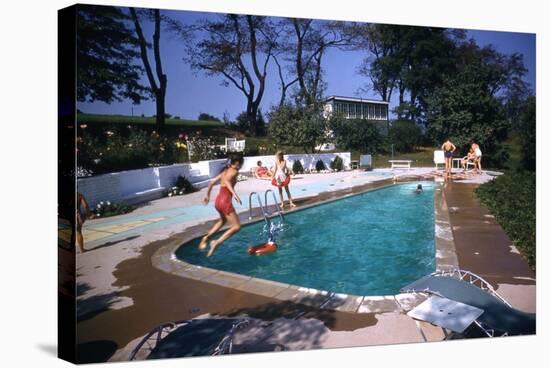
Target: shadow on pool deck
(159, 297)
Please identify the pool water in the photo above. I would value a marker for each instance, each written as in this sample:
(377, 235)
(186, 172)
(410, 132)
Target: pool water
(368, 244)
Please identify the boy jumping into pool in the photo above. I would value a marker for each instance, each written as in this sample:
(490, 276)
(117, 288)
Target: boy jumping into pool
(281, 178)
(227, 179)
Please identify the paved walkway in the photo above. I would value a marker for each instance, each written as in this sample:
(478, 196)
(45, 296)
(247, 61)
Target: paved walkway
(485, 249)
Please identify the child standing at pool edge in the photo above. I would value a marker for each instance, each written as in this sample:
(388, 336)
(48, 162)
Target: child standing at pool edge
(227, 179)
(281, 178)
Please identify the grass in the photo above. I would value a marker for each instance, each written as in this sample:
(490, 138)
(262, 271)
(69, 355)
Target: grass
(124, 119)
(423, 156)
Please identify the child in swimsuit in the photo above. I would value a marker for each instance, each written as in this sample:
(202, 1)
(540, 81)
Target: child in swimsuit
(469, 157)
(281, 178)
(223, 204)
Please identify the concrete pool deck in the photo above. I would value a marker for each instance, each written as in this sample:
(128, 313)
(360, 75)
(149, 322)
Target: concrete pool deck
(122, 295)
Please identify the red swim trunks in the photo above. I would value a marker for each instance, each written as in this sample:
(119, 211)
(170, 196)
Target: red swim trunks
(223, 202)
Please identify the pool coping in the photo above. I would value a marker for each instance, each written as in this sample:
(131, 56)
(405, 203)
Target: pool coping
(445, 257)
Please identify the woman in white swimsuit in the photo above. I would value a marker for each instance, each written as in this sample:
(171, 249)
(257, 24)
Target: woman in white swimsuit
(281, 178)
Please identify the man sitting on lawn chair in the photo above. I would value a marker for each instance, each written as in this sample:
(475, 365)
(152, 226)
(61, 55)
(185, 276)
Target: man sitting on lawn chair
(262, 172)
(470, 158)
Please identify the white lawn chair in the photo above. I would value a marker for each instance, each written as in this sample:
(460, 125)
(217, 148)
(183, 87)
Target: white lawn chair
(439, 158)
(365, 162)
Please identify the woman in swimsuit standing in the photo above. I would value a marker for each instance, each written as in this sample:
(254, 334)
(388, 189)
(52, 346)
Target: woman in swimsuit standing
(448, 147)
(227, 179)
(281, 178)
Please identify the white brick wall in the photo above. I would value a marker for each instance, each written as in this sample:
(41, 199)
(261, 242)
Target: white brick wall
(169, 174)
(114, 187)
(100, 188)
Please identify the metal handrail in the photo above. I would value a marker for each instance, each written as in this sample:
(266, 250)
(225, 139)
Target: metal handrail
(261, 207)
(275, 202)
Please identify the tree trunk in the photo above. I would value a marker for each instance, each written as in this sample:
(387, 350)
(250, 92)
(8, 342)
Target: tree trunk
(161, 113)
(252, 117)
(158, 90)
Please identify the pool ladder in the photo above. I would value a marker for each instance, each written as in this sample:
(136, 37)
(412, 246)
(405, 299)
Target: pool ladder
(263, 207)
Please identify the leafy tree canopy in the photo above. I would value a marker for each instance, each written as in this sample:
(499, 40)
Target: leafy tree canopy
(106, 56)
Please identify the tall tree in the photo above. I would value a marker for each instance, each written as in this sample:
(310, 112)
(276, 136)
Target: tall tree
(158, 89)
(385, 58)
(106, 56)
(238, 48)
(312, 39)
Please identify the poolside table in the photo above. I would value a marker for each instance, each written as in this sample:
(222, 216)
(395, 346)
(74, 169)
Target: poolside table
(457, 161)
(446, 313)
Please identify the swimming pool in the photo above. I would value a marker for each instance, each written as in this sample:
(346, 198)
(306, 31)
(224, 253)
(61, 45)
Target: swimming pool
(368, 244)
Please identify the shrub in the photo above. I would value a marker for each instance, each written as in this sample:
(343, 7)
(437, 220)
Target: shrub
(320, 165)
(404, 135)
(106, 209)
(337, 164)
(297, 167)
(511, 199)
(356, 134)
(184, 184)
(297, 126)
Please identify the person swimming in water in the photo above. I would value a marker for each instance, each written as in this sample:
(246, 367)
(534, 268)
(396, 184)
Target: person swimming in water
(419, 189)
(227, 179)
(448, 147)
(281, 178)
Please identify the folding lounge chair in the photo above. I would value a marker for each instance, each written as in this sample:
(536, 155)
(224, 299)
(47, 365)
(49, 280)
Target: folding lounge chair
(498, 317)
(213, 336)
(439, 158)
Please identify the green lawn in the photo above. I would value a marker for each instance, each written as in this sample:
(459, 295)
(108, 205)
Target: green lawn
(124, 119)
(423, 156)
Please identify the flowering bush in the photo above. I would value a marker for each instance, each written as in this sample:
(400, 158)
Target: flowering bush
(122, 150)
(106, 209)
(201, 148)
